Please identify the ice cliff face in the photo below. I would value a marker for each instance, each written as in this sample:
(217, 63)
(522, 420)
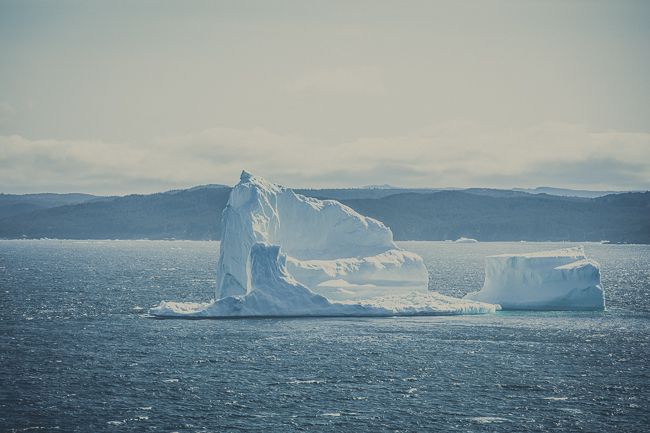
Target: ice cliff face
(330, 248)
(555, 280)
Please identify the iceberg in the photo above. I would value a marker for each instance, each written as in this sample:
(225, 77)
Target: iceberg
(563, 279)
(464, 240)
(325, 242)
(284, 254)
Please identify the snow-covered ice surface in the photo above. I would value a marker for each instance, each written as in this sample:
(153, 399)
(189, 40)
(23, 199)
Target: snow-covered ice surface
(284, 254)
(390, 272)
(562, 279)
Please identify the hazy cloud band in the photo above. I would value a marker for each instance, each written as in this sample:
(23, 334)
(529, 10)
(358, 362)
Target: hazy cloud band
(456, 154)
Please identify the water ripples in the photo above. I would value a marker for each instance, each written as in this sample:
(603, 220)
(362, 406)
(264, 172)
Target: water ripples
(77, 353)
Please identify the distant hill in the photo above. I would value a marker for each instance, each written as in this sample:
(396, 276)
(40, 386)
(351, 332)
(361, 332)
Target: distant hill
(14, 204)
(380, 191)
(412, 214)
(452, 214)
(182, 214)
(355, 193)
(564, 192)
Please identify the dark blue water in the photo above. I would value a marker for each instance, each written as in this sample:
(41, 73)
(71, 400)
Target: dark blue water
(77, 354)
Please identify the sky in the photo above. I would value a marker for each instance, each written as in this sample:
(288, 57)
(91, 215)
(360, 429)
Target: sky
(115, 97)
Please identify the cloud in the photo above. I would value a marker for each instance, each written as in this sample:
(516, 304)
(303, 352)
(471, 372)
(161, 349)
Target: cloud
(600, 173)
(451, 154)
(592, 171)
(358, 80)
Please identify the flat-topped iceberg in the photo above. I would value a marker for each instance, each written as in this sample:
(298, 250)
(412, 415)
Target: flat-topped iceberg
(284, 254)
(563, 279)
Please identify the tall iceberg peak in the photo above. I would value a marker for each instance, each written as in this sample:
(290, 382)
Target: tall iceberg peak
(245, 175)
(325, 242)
(562, 279)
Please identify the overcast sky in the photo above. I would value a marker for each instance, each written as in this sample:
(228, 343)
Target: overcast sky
(122, 97)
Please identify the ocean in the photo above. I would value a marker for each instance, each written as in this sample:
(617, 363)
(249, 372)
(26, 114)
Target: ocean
(78, 352)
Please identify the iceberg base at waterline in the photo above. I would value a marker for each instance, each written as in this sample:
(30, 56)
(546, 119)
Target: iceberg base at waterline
(562, 279)
(275, 293)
